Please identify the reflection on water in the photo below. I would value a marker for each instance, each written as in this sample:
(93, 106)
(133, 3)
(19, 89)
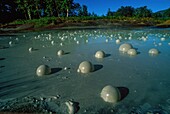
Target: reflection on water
(146, 77)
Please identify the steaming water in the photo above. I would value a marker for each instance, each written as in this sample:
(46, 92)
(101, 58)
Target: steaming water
(146, 77)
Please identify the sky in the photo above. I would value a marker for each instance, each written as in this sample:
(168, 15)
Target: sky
(100, 7)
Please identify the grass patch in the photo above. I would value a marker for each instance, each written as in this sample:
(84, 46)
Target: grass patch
(91, 21)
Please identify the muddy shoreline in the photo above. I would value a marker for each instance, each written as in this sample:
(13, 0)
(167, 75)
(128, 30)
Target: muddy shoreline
(90, 24)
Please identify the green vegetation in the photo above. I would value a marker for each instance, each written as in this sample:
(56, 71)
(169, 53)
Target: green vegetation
(11, 10)
(59, 13)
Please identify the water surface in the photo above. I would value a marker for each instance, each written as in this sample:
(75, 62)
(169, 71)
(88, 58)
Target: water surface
(146, 77)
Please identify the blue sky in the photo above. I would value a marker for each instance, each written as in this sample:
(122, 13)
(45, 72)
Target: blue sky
(101, 6)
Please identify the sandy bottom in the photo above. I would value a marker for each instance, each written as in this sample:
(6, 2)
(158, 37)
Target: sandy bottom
(145, 78)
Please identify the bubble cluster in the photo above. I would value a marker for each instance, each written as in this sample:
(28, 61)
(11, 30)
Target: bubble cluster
(125, 47)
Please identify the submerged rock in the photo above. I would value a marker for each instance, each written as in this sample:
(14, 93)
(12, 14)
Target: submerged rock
(23, 105)
(72, 106)
(32, 104)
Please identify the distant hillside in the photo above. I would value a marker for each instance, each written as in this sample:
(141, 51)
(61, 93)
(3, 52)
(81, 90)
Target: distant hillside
(163, 13)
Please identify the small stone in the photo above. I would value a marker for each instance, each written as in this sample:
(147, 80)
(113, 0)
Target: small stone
(72, 106)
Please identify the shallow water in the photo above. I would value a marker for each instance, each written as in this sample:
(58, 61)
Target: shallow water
(145, 77)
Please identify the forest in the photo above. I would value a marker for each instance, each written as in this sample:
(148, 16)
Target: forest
(12, 10)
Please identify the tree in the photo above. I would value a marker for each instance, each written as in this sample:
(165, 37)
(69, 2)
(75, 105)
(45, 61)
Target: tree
(143, 12)
(7, 11)
(109, 13)
(93, 14)
(58, 8)
(157, 15)
(75, 9)
(167, 13)
(49, 7)
(25, 6)
(126, 11)
(66, 6)
(84, 10)
(37, 9)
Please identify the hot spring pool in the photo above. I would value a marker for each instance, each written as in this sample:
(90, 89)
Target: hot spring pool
(143, 80)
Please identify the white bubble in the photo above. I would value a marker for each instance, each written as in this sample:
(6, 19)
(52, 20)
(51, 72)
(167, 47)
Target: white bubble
(31, 49)
(110, 94)
(118, 41)
(144, 39)
(85, 67)
(162, 39)
(87, 41)
(10, 42)
(159, 44)
(52, 42)
(65, 68)
(43, 70)
(132, 52)
(78, 42)
(130, 38)
(17, 39)
(125, 47)
(60, 52)
(153, 51)
(100, 54)
(61, 44)
(169, 43)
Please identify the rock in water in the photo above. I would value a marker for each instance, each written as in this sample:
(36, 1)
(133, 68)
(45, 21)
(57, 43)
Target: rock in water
(72, 106)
